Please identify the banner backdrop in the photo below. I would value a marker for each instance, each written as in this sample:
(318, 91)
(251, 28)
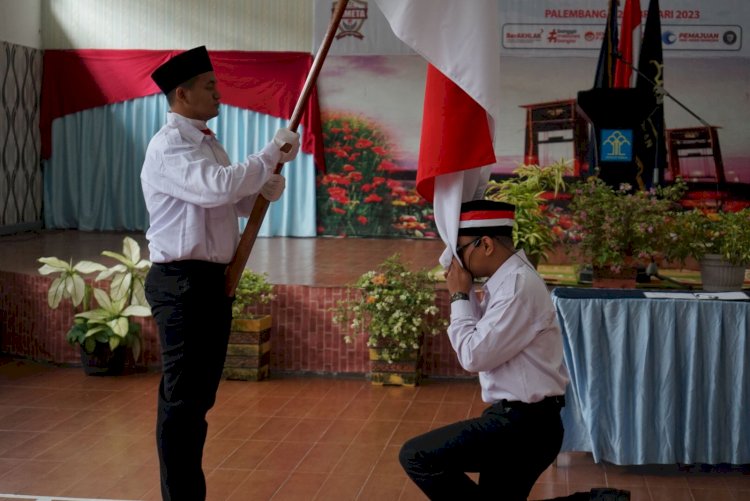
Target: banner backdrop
(562, 28)
(548, 53)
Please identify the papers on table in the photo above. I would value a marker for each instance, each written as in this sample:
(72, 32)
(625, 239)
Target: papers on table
(724, 296)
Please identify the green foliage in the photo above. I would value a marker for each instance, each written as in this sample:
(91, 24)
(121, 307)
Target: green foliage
(617, 225)
(111, 321)
(697, 233)
(253, 288)
(393, 306)
(532, 230)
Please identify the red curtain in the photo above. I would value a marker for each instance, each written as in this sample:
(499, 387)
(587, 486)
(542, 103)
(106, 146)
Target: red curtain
(265, 82)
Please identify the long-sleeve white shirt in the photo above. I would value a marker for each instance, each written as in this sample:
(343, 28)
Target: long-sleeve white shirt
(511, 338)
(194, 194)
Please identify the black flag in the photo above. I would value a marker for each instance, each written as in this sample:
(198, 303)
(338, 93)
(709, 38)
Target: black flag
(651, 152)
(605, 68)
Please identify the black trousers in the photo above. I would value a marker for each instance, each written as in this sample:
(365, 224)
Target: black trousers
(510, 445)
(194, 319)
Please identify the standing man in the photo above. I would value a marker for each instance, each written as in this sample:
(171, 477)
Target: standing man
(194, 195)
(511, 337)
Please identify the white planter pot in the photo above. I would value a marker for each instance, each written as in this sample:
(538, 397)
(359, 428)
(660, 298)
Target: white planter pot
(719, 275)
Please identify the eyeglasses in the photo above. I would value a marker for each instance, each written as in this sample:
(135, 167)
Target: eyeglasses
(460, 248)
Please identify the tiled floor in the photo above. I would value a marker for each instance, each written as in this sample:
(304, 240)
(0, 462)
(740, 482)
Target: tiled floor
(289, 438)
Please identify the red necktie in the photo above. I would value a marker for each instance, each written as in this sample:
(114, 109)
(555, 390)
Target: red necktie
(207, 132)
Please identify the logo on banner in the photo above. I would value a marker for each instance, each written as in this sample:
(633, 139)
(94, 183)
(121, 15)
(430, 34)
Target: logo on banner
(617, 145)
(355, 15)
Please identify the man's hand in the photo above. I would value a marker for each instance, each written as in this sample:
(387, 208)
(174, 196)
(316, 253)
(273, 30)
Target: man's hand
(288, 143)
(458, 278)
(273, 188)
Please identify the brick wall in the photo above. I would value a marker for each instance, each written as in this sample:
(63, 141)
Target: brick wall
(304, 338)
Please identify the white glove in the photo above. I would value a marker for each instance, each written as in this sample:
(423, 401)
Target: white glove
(273, 188)
(289, 141)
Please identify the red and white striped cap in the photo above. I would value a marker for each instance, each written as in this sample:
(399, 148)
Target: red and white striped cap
(486, 217)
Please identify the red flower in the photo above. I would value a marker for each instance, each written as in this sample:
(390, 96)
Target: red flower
(379, 150)
(355, 176)
(367, 187)
(338, 210)
(565, 221)
(373, 199)
(386, 166)
(341, 153)
(411, 199)
(393, 184)
(363, 143)
(339, 195)
(362, 220)
(348, 167)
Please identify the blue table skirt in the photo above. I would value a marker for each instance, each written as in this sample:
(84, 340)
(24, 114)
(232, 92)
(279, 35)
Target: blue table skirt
(655, 380)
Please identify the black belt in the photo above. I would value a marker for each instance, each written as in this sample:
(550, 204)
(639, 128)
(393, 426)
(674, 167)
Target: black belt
(557, 401)
(192, 266)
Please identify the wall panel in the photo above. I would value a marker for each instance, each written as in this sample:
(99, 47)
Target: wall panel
(252, 25)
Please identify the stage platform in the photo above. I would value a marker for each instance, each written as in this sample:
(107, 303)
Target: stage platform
(310, 275)
(323, 262)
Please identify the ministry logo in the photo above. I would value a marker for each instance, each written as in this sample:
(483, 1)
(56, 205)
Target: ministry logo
(617, 145)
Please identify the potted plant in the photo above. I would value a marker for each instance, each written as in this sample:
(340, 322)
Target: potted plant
(249, 351)
(719, 241)
(528, 190)
(394, 308)
(618, 229)
(103, 332)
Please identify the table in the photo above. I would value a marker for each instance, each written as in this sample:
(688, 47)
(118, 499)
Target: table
(655, 381)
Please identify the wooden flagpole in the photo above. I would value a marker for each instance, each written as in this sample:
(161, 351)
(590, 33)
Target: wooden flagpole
(235, 267)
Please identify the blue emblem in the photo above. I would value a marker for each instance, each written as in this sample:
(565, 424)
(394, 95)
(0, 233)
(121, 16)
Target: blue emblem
(616, 145)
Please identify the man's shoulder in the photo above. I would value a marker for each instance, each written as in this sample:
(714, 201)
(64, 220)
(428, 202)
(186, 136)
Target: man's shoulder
(166, 137)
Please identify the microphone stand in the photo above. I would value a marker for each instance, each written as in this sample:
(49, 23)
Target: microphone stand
(664, 91)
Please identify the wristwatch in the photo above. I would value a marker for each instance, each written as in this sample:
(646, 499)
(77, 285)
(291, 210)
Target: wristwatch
(459, 296)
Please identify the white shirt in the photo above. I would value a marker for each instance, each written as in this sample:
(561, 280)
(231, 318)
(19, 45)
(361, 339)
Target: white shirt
(512, 338)
(194, 195)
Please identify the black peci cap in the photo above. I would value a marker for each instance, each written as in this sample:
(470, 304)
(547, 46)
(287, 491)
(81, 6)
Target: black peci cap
(486, 217)
(182, 68)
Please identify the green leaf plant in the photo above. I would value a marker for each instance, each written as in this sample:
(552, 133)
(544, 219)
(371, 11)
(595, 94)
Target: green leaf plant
(526, 190)
(111, 321)
(393, 307)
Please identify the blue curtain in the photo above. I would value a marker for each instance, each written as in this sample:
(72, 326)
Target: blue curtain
(92, 181)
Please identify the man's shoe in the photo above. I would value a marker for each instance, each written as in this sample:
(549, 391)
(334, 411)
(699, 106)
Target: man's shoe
(609, 495)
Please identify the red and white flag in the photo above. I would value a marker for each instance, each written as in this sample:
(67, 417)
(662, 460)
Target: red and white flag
(630, 43)
(461, 44)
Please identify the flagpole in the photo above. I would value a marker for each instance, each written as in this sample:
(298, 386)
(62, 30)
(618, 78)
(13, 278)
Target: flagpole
(242, 253)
